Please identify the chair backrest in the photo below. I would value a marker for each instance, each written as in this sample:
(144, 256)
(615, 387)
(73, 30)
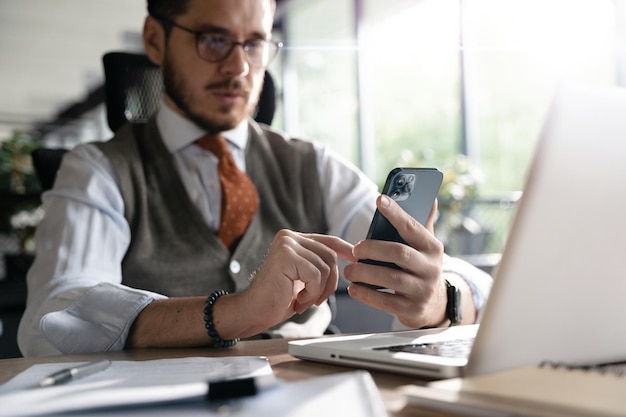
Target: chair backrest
(46, 162)
(266, 107)
(133, 90)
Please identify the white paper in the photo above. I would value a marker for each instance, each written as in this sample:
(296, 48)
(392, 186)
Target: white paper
(124, 383)
(345, 394)
(178, 387)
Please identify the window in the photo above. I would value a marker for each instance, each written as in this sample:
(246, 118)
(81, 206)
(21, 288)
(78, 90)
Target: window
(320, 89)
(411, 68)
(389, 83)
(518, 53)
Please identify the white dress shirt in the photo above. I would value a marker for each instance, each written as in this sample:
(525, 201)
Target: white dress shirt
(76, 302)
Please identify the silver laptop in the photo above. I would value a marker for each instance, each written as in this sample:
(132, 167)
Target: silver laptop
(559, 292)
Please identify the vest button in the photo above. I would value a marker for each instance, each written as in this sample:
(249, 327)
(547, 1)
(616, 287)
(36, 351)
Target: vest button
(235, 267)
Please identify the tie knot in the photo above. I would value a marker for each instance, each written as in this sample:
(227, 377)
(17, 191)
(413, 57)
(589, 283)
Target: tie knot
(217, 145)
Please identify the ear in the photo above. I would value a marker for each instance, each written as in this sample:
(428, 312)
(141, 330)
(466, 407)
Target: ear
(154, 40)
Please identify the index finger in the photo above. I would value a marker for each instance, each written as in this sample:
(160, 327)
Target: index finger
(343, 249)
(340, 246)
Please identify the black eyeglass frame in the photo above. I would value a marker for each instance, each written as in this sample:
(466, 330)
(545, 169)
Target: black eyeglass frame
(273, 45)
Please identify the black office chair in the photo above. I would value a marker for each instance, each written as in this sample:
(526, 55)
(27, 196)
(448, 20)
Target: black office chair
(133, 90)
(46, 163)
(266, 107)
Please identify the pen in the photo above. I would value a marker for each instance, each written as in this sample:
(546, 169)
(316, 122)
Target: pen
(70, 374)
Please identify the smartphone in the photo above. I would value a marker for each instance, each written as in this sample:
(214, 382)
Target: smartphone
(415, 190)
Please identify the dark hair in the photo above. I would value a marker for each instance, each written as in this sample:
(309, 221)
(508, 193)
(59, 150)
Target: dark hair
(168, 9)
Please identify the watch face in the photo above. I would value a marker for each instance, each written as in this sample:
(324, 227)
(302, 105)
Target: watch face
(453, 308)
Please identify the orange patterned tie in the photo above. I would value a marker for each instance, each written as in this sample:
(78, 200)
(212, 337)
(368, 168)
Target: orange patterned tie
(239, 197)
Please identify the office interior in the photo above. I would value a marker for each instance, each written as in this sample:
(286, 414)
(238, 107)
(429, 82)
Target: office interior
(461, 85)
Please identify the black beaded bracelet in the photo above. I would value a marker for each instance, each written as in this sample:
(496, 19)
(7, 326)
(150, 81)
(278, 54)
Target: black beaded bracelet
(208, 320)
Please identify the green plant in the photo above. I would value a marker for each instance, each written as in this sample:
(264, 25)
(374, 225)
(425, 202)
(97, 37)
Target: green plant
(461, 181)
(17, 175)
(455, 225)
(25, 223)
(19, 187)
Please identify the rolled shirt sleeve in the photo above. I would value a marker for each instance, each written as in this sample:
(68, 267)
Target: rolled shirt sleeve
(76, 302)
(87, 324)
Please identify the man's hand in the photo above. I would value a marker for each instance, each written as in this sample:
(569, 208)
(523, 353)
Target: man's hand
(299, 271)
(419, 297)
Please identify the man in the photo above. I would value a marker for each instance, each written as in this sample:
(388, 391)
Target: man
(132, 242)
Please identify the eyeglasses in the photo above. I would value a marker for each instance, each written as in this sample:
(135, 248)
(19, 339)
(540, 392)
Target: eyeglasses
(214, 47)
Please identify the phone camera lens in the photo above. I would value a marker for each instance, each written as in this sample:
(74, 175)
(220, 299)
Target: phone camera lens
(395, 194)
(408, 187)
(400, 181)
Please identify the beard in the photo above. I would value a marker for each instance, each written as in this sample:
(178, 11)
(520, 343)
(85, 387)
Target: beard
(183, 97)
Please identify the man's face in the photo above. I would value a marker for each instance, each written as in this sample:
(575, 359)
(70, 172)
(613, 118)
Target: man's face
(216, 96)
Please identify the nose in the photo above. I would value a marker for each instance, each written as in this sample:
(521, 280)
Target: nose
(236, 63)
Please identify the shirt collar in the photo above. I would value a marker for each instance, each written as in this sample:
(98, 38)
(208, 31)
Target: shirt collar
(178, 132)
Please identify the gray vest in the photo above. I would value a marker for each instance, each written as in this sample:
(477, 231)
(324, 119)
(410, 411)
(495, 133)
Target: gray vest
(172, 250)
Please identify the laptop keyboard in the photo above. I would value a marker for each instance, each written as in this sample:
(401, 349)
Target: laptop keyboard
(457, 348)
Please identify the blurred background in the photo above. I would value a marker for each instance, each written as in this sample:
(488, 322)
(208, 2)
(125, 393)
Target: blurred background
(461, 85)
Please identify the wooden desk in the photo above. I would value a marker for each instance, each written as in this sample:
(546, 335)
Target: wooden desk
(285, 366)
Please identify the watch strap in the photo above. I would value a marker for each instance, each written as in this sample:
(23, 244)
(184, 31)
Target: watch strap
(453, 307)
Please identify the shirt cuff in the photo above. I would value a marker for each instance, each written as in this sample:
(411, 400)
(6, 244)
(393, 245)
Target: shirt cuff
(97, 321)
(479, 281)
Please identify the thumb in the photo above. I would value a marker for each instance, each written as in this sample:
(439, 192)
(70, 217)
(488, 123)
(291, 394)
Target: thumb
(430, 222)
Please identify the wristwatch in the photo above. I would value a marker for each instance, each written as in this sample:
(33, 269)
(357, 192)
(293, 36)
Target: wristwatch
(453, 308)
